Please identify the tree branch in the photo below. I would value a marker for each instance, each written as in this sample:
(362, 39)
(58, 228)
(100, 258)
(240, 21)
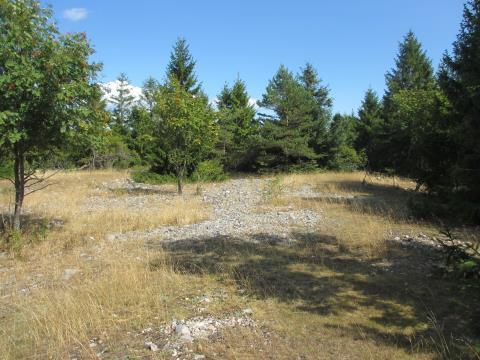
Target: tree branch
(7, 178)
(38, 189)
(38, 180)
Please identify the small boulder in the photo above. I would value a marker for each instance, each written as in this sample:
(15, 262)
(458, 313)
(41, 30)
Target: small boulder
(247, 311)
(68, 273)
(152, 346)
(110, 237)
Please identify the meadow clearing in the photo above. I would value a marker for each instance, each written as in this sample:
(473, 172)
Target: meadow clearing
(314, 266)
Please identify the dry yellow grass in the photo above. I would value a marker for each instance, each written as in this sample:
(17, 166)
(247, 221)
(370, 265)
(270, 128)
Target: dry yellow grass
(361, 215)
(113, 289)
(326, 296)
(71, 193)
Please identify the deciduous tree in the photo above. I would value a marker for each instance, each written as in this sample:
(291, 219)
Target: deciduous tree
(46, 82)
(185, 130)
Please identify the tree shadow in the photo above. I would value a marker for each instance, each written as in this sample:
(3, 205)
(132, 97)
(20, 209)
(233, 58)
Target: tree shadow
(381, 200)
(315, 275)
(143, 191)
(29, 223)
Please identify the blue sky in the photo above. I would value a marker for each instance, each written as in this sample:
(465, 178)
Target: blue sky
(352, 43)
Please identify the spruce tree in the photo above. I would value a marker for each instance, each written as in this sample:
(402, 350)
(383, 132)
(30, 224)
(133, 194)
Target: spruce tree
(321, 112)
(342, 138)
(236, 123)
(370, 129)
(411, 77)
(149, 93)
(123, 101)
(181, 68)
(460, 79)
(288, 128)
(413, 69)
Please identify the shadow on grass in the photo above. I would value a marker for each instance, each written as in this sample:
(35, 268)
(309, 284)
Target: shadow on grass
(143, 191)
(391, 294)
(33, 230)
(382, 200)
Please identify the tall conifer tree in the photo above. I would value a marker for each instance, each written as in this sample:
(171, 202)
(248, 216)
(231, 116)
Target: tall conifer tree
(321, 112)
(123, 101)
(370, 129)
(182, 67)
(237, 123)
(460, 79)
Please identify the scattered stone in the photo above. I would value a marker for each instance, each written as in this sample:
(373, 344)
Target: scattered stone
(110, 237)
(233, 206)
(198, 357)
(205, 299)
(3, 255)
(247, 311)
(68, 273)
(55, 223)
(152, 346)
(182, 332)
(147, 330)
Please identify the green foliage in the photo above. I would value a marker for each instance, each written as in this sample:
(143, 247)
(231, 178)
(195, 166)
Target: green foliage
(14, 241)
(209, 170)
(46, 89)
(141, 139)
(6, 168)
(181, 69)
(150, 177)
(123, 101)
(460, 79)
(462, 258)
(149, 92)
(237, 125)
(185, 130)
(413, 69)
(342, 138)
(321, 112)
(419, 135)
(294, 132)
(370, 128)
(346, 158)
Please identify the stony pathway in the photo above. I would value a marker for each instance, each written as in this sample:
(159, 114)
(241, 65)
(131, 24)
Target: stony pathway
(234, 204)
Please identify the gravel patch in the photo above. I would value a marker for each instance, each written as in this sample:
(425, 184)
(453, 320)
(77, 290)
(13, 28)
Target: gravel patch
(234, 203)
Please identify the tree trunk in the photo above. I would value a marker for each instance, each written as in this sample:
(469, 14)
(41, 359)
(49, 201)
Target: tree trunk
(19, 168)
(179, 184)
(179, 171)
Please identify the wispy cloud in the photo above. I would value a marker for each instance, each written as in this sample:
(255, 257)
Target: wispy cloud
(75, 14)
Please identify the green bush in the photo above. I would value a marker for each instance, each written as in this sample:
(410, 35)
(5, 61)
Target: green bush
(209, 170)
(6, 169)
(150, 177)
(347, 159)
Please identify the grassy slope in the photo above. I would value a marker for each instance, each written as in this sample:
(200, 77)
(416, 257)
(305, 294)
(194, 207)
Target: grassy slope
(345, 292)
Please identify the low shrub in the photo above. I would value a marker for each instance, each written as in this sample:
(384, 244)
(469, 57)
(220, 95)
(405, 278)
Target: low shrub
(150, 177)
(209, 170)
(206, 171)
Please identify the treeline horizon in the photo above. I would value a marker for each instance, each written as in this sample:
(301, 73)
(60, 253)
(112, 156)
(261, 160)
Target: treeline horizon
(426, 126)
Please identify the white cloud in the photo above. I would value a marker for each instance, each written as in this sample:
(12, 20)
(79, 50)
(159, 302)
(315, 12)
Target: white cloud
(110, 90)
(75, 14)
